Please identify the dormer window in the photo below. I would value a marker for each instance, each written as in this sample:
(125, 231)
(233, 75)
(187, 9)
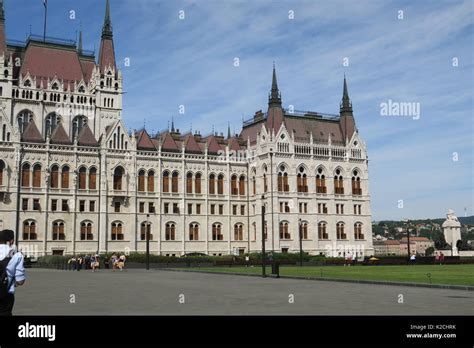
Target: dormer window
(27, 83)
(55, 87)
(82, 89)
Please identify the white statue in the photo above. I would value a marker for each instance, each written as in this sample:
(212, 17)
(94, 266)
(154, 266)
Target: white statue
(452, 231)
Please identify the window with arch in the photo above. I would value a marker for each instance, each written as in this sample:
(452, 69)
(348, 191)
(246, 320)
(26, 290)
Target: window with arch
(356, 189)
(254, 228)
(141, 180)
(189, 182)
(117, 231)
(174, 182)
(23, 118)
(65, 177)
(86, 230)
(320, 181)
(82, 178)
(2, 169)
(304, 230)
(220, 184)
(37, 175)
(145, 228)
(118, 177)
(78, 123)
(233, 185)
(284, 232)
(50, 123)
(217, 232)
(302, 180)
(242, 185)
(254, 185)
(29, 230)
(338, 182)
(166, 181)
(58, 230)
(92, 178)
(212, 184)
(197, 183)
(238, 232)
(283, 179)
(54, 178)
(322, 233)
(193, 231)
(340, 234)
(25, 175)
(170, 231)
(358, 231)
(151, 181)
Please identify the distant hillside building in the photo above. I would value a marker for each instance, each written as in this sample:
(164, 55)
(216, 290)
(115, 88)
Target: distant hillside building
(418, 245)
(386, 247)
(74, 180)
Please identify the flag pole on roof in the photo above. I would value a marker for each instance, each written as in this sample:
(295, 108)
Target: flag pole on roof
(45, 3)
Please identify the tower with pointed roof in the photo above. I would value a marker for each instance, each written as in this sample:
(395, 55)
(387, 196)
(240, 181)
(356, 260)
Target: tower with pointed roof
(347, 117)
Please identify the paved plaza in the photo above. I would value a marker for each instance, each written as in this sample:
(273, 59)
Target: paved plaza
(158, 292)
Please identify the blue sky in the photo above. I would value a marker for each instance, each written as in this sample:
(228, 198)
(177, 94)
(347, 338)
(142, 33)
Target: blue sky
(190, 62)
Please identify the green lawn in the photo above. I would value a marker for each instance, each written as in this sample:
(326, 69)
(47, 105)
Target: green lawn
(440, 274)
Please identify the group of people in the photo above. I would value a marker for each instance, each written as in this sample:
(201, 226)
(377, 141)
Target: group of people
(92, 262)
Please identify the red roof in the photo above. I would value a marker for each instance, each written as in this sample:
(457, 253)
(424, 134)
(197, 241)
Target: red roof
(32, 134)
(213, 146)
(59, 136)
(169, 143)
(144, 142)
(191, 144)
(107, 54)
(48, 61)
(86, 138)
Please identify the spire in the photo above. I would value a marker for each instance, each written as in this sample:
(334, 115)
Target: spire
(228, 130)
(107, 52)
(346, 105)
(107, 28)
(3, 43)
(79, 45)
(172, 124)
(274, 99)
(2, 11)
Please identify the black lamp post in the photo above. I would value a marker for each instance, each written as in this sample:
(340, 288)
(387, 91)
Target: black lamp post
(301, 242)
(263, 237)
(408, 238)
(147, 236)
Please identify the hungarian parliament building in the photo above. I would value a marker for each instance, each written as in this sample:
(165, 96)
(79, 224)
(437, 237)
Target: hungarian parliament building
(74, 180)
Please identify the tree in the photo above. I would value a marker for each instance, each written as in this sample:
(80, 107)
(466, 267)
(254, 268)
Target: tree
(429, 251)
(440, 242)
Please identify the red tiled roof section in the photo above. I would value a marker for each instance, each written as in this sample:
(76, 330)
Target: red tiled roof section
(302, 128)
(191, 145)
(168, 143)
(234, 144)
(59, 136)
(416, 239)
(87, 68)
(275, 118)
(144, 142)
(3, 45)
(107, 54)
(42, 61)
(86, 137)
(32, 134)
(251, 132)
(213, 146)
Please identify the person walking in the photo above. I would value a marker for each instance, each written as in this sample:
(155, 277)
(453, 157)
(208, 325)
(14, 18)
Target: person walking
(73, 262)
(441, 258)
(80, 260)
(12, 272)
(95, 262)
(436, 257)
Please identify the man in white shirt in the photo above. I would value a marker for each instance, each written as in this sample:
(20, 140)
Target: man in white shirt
(15, 271)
